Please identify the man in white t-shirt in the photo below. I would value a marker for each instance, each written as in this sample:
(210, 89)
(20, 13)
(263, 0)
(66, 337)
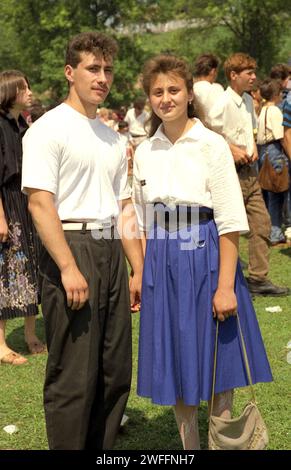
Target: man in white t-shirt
(206, 91)
(137, 118)
(75, 175)
(233, 116)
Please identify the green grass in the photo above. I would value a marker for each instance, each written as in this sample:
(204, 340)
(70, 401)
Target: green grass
(150, 426)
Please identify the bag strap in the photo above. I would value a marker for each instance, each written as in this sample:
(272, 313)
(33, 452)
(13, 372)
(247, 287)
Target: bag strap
(247, 365)
(266, 125)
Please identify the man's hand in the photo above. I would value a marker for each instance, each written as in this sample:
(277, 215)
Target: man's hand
(76, 287)
(3, 230)
(224, 304)
(240, 155)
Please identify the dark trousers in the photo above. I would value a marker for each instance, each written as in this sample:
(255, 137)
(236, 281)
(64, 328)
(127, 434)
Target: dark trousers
(88, 370)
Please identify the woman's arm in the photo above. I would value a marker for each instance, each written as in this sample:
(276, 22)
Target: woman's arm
(3, 224)
(224, 300)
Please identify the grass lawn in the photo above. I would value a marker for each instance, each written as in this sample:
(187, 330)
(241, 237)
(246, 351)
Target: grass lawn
(150, 426)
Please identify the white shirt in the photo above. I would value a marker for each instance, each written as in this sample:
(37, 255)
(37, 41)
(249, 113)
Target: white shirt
(234, 117)
(136, 124)
(80, 160)
(197, 170)
(274, 125)
(205, 96)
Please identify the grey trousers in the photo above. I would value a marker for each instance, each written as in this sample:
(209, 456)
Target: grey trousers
(88, 372)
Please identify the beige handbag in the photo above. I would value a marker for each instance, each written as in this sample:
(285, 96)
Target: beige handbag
(248, 431)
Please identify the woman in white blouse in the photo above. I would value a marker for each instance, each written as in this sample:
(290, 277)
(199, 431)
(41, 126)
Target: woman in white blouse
(190, 210)
(270, 140)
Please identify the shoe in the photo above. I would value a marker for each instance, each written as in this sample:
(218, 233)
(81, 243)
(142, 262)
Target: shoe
(278, 242)
(36, 347)
(266, 288)
(13, 359)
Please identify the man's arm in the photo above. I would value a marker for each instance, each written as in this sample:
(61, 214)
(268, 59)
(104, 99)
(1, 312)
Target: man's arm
(49, 227)
(129, 232)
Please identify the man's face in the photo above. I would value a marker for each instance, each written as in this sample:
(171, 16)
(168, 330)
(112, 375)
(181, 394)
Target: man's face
(92, 78)
(244, 80)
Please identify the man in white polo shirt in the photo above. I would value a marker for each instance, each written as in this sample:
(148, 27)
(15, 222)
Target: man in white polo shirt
(137, 118)
(206, 90)
(233, 116)
(75, 175)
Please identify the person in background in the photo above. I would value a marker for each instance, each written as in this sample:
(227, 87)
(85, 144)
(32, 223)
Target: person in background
(18, 261)
(206, 91)
(257, 98)
(75, 174)
(270, 140)
(233, 117)
(137, 118)
(190, 209)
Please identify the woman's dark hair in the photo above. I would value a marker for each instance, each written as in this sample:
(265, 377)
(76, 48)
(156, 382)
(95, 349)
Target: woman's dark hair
(11, 82)
(166, 63)
(270, 88)
(94, 42)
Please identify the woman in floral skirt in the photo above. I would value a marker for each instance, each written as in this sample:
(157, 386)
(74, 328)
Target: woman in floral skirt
(18, 276)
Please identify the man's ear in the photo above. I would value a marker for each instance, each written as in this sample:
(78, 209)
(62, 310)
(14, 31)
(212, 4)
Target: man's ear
(69, 73)
(233, 75)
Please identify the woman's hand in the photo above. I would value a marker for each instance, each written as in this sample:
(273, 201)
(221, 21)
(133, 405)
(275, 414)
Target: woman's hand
(224, 304)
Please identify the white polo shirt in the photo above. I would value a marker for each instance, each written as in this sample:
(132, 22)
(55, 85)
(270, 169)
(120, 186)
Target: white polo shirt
(80, 160)
(136, 123)
(233, 116)
(198, 170)
(205, 96)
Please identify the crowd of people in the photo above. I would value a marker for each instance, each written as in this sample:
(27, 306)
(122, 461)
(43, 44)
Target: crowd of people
(168, 185)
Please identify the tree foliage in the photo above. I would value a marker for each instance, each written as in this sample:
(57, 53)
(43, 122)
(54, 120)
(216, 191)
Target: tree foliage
(34, 33)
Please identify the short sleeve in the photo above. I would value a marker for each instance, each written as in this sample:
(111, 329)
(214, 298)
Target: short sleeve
(227, 199)
(121, 186)
(140, 205)
(275, 122)
(42, 154)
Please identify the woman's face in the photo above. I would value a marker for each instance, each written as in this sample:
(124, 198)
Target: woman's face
(169, 97)
(24, 97)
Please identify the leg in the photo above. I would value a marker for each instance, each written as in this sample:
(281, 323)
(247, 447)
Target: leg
(276, 203)
(222, 405)
(187, 422)
(34, 345)
(111, 398)
(7, 356)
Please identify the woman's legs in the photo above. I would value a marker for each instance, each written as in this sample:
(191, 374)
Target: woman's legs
(34, 345)
(187, 422)
(8, 356)
(222, 405)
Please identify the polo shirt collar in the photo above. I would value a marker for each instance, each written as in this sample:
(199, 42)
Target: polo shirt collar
(194, 133)
(235, 96)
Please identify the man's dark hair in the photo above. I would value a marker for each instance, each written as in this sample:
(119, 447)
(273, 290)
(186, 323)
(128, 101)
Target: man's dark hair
(139, 102)
(96, 43)
(204, 64)
(280, 72)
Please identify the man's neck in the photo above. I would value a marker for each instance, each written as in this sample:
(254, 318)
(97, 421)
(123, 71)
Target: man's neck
(15, 113)
(87, 109)
(204, 78)
(236, 89)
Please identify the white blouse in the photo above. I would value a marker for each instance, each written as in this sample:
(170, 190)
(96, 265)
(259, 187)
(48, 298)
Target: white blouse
(198, 170)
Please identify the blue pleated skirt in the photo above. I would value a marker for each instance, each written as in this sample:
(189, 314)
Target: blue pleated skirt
(177, 328)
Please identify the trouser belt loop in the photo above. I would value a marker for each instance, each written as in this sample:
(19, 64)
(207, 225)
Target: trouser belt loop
(84, 226)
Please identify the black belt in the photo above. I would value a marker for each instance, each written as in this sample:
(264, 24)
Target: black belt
(205, 215)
